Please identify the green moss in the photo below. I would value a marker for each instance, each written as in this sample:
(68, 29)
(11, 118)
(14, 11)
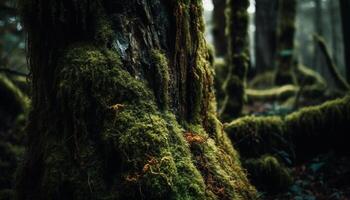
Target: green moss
(272, 94)
(152, 150)
(265, 134)
(145, 150)
(104, 32)
(233, 103)
(324, 126)
(268, 174)
(12, 97)
(162, 78)
(262, 80)
(109, 134)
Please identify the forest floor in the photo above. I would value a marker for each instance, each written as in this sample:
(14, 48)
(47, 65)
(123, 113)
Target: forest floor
(325, 177)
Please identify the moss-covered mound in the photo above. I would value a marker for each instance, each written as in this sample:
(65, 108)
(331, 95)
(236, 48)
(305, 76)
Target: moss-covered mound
(323, 127)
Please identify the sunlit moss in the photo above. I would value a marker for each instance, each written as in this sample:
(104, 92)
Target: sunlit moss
(271, 94)
(162, 78)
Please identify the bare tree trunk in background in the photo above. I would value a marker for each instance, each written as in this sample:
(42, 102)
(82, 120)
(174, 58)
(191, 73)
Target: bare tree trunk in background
(265, 35)
(334, 12)
(345, 15)
(123, 104)
(219, 24)
(285, 42)
(318, 23)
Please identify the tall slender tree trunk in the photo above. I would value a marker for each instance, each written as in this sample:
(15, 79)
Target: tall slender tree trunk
(318, 23)
(345, 15)
(219, 23)
(266, 31)
(237, 58)
(285, 42)
(334, 12)
(123, 105)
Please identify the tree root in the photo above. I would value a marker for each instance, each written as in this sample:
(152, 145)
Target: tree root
(324, 126)
(310, 84)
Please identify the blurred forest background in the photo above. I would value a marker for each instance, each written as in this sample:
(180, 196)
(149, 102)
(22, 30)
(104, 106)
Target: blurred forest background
(315, 46)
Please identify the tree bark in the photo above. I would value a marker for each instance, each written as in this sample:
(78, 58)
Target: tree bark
(237, 59)
(126, 93)
(266, 32)
(285, 42)
(219, 23)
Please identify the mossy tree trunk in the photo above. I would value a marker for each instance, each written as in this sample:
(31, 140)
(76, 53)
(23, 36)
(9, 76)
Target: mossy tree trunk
(266, 32)
(124, 89)
(237, 58)
(345, 16)
(219, 23)
(285, 42)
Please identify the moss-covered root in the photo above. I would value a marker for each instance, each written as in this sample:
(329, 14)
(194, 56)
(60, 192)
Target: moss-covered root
(12, 101)
(310, 85)
(301, 134)
(13, 109)
(272, 94)
(267, 173)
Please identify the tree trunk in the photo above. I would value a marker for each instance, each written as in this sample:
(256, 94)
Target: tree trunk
(237, 58)
(345, 16)
(285, 42)
(123, 105)
(219, 23)
(266, 31)
(334, 12)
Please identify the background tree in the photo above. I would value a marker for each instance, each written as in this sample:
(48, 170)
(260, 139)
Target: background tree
(266, 16)
(234, 71)
(345, 16)
(285, 42)
(219, 23)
